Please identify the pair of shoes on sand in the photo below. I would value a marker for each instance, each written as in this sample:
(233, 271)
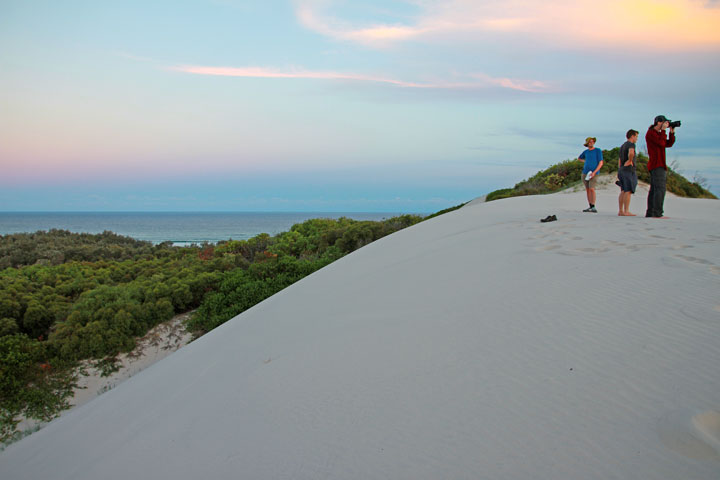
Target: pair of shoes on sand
(549, 218)
(590, 209)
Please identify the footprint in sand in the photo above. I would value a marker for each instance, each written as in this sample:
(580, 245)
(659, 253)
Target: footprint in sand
(539, 237)
(547, 248)
(696, 436)
(708, 425)
(593, 250)
(613, 243)
(641, 246)
(700, 261)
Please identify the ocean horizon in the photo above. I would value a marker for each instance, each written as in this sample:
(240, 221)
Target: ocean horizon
(180, 228)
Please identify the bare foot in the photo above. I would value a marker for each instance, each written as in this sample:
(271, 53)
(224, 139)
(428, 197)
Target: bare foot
(628, 214)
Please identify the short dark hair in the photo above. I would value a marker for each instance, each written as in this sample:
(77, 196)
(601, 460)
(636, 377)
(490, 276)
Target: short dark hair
(631, 132)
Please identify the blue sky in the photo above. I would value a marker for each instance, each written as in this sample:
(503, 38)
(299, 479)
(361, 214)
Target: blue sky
(320, 105)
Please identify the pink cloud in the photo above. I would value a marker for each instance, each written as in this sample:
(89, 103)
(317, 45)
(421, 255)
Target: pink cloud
(477, 80)
(690, 23)
(438, 18)
(259, 72)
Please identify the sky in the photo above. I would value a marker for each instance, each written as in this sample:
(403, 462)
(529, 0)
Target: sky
(330, 105)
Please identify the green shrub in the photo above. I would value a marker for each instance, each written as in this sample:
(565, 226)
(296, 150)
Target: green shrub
(443, 212)
(569, 173)
(29, 386)
(8, 326)
(498, 194)
(553, 181)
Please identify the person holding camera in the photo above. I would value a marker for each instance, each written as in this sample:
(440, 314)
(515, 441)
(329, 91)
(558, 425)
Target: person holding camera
(627, 173)
(593, 159)
(657, 141)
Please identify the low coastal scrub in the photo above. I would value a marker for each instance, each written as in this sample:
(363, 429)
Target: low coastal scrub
(568, 173)
(447, 210)
(274, 263)
(61, 246)
(67, 297)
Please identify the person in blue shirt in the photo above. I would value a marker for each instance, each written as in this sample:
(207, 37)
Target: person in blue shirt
(593, 159)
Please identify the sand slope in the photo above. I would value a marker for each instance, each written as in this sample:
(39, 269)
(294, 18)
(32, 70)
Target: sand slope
(479, 344)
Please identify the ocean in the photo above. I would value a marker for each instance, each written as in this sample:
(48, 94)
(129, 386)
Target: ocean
(180, 228)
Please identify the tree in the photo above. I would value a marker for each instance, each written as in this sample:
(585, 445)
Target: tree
(37, 320)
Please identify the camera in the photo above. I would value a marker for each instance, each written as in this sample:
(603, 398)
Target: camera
(675, 124)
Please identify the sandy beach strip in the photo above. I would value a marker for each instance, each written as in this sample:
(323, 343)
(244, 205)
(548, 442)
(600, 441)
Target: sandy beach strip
(479, 344)
(158, 343)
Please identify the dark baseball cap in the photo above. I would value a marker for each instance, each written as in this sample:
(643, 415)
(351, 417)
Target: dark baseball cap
(661, 118)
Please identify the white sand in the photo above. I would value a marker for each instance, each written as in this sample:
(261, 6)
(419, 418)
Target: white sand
(479, 344)
(157, 344)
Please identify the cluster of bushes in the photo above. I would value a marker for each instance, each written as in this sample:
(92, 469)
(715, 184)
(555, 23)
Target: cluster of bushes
(67, 297)
(569, 173)
(51, 303)
(28, 385)
(59, 246)
(52, 316)
(280, 261)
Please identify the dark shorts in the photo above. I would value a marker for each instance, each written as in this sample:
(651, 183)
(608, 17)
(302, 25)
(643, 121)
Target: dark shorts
(628, 181)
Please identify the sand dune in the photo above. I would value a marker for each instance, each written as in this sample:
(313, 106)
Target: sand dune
(479, 344)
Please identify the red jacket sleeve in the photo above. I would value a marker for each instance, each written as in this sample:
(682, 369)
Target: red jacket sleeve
(656, 139)
(671, 141)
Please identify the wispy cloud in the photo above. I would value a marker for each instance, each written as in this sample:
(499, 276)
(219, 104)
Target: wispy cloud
(475, 80)
(260, 72)
(581, 23)
(313, 14)
(512, 83)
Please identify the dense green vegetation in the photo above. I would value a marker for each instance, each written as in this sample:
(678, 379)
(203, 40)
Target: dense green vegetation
(67, 297)
(60, 310)
(60, 246)
(282, 260)
(569, 172)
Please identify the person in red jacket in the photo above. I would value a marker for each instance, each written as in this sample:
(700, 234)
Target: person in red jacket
(657, 141)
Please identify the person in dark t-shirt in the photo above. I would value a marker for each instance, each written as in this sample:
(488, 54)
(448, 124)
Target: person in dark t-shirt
(627, 173)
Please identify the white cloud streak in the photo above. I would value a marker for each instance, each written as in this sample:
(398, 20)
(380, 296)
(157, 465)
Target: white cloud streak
(476, 80)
